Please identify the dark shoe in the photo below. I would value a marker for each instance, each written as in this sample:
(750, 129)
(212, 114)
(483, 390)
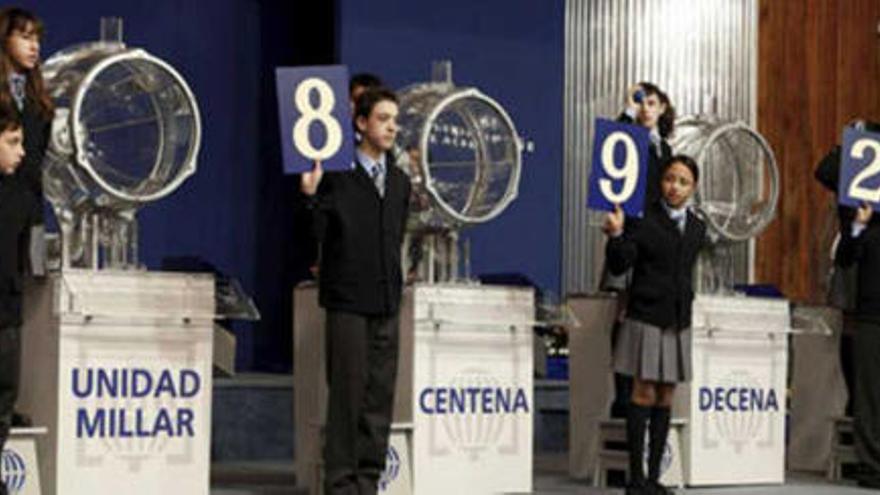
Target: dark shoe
(636, 489)
(20, 420)
(655, 488)
(867, 476)
(867, 482)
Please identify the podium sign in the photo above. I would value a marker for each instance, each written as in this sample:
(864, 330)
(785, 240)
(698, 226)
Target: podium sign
(122, 379)
(472, 391)
(736, 400)
(463, 402)
(19, 469)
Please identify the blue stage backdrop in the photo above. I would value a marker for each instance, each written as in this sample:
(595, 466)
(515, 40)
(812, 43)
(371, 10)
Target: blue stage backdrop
(512, 50)
(239, 212)
(217, 47)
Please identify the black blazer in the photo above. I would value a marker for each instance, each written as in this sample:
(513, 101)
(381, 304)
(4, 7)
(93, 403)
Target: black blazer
(662, 260)
(864, 250)
(655, 161)
(16, 218)
(360, 236)
(36, 130)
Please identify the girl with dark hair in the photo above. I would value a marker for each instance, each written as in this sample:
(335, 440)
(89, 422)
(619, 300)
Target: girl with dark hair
(648, 106)
(22, 32)
(654, 345)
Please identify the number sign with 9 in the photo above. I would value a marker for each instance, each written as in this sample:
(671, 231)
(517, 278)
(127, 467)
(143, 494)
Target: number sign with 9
(620, 162)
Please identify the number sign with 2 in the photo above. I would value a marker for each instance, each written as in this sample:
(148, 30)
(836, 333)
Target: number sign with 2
(860, 169)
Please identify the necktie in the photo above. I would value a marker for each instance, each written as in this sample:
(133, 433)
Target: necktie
(679, 218)
(379, 178)
(655, 142)
(17, 87)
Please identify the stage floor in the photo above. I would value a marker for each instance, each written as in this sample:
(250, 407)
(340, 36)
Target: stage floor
(277, 479)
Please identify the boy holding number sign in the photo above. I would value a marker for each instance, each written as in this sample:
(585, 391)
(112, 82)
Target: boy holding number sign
(360, 219)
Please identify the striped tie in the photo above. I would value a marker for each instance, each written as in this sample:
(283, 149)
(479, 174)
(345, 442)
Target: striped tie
(379, 178)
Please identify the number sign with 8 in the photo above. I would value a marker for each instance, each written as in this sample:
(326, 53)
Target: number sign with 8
(315, 118)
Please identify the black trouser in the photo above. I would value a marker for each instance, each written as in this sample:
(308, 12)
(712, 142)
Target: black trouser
(361, 373)
(10, 357)
(866, 406)
(847, 366)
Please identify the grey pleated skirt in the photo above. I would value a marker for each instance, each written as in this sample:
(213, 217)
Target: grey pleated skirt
(650, 353)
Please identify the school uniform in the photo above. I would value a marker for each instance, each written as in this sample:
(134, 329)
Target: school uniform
(859, 247)
(360, 219)
(654, 341)
(36, 130)
(658, 152)
(661, 249)
(16, 218)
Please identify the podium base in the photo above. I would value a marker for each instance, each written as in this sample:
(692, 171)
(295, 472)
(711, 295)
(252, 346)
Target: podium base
(19, 464)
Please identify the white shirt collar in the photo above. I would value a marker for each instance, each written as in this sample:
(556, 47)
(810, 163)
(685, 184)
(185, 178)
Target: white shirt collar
(675, 213)
(368, 163)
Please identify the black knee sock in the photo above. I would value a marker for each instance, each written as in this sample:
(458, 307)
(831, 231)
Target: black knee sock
(636, 419)
(659, 432)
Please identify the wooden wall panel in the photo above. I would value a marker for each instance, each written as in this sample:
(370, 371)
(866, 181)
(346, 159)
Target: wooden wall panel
(818, 68)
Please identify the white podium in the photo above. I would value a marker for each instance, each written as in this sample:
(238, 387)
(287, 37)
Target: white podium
(463, 405)
(735, 405)
(733, 411)
(117, 365)
(19, 461)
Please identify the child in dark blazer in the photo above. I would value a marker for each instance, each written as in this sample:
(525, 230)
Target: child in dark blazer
(360, 218)
(16, 218)
(21, 88)
(648, 106)
(653, 346)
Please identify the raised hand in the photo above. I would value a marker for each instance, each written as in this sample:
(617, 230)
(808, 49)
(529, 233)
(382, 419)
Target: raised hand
(309, 181)
(864, 214)
(631, 96)
(614, 222)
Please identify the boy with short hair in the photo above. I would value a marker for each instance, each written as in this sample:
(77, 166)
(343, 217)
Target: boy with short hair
(17, 215)
(361, 216)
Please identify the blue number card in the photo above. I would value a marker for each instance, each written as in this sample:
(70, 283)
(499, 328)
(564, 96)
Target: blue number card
(315, 117)
(619, 170)
(859, 169)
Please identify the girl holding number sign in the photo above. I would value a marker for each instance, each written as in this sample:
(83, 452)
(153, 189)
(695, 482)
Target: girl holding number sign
(653, 346)
(646, 105)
